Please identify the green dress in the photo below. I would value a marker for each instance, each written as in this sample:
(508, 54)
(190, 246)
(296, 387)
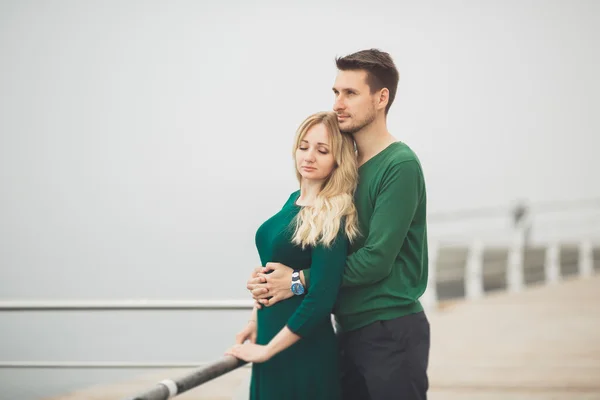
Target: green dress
(309, 368)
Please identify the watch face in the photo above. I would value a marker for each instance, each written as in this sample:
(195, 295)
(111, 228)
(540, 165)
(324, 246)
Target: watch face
(297, 288)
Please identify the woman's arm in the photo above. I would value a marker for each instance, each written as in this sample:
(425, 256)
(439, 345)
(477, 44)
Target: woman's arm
(249, 331)
(327, 271)
(252, 352)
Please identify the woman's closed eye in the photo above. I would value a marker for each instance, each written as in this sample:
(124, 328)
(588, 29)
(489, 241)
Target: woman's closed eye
(322, 151)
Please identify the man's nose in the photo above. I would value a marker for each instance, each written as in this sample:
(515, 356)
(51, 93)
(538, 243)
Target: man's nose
(339, 105)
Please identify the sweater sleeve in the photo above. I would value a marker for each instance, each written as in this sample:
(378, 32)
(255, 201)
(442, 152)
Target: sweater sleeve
(395, 205)
(327, 268)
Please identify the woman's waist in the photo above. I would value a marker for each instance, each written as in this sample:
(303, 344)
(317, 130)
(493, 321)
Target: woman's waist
(274, 318)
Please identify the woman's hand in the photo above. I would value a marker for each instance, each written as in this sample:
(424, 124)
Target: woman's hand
(250, 352)
(268, 289)
(248, 333)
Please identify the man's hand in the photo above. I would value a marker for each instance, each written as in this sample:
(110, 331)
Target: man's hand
(248, 333)
(268, 289)
(256, 283)
(256, 278)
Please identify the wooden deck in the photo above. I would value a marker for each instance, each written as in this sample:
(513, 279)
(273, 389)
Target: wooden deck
(541, 344)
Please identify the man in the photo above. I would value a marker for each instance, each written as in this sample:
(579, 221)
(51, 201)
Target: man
(383, 331)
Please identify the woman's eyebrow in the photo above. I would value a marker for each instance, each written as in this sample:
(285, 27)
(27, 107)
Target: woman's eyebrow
(320, 143)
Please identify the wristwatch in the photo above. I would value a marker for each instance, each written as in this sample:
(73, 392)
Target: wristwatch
(297, 287)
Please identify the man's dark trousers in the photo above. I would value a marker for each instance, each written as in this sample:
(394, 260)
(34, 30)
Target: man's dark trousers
(386, 360)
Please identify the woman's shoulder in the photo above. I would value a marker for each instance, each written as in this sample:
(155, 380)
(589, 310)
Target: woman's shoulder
(292, 199)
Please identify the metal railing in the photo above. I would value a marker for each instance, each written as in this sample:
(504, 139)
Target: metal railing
(540, 207)
(124, 305)
(168, 388)
(98, 364)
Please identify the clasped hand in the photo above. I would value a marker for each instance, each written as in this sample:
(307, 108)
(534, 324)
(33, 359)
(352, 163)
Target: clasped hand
(270, 284)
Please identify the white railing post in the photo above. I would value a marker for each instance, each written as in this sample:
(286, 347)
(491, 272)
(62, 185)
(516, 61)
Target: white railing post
(474, 271)
(514, 270)
(586, 259)
(552, 263)
(429, 299)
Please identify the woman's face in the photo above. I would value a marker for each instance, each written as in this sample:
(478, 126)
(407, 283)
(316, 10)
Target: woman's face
(314, 160)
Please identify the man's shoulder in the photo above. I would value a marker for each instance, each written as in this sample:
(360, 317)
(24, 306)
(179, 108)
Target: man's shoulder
(401, 152)
(397, 158)
(402, 156)
(402, 164)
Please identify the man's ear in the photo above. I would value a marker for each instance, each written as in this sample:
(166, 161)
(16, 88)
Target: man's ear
(384, 97)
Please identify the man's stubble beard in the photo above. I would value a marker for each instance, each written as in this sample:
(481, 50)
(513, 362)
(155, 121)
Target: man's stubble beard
(361, 124)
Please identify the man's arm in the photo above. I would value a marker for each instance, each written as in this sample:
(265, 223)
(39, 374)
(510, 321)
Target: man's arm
(399, 195)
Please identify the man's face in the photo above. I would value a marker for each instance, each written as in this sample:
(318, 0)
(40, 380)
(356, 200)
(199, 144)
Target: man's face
(354, 103)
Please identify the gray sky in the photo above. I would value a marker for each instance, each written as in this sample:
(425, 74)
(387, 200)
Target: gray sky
(142, 143)
(140, 134)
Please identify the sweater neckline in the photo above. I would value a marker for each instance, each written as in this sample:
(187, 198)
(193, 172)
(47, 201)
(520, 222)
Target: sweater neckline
(376, 156)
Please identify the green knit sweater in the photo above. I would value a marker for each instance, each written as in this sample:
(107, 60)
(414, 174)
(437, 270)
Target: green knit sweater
(386, 269)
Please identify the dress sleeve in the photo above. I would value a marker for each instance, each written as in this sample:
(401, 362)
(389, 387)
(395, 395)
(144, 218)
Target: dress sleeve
(327, 269)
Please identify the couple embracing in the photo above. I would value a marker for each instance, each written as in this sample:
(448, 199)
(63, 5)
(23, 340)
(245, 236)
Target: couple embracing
(351, 241)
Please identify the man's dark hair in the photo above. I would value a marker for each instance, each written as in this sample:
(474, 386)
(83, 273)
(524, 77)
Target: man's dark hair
(380, 68)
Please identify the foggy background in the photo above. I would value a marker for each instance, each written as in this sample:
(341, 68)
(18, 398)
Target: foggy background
(142, 143)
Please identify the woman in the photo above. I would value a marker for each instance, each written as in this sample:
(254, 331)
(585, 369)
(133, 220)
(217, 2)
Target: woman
(295, 352)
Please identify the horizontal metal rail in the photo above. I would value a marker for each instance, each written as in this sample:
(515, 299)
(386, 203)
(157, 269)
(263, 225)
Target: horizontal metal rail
(506, 210)
(172, 387)
(123, 305)
(98, 364)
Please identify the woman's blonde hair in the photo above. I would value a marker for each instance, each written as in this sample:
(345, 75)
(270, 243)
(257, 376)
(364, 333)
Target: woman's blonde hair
(321, 222)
